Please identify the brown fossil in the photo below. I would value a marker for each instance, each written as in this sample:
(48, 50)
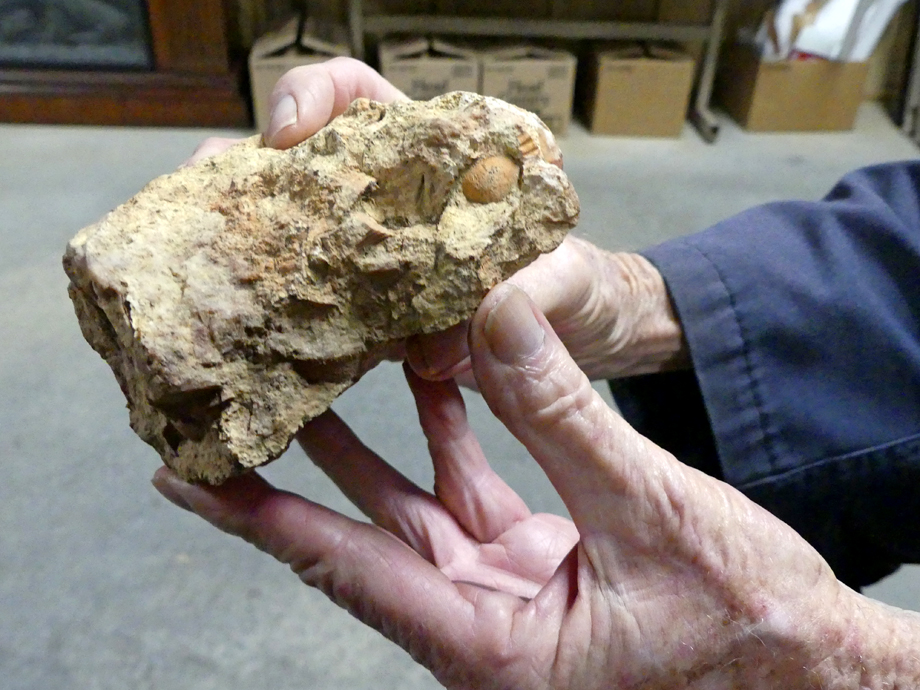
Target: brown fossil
(491, 179)
(235, 299)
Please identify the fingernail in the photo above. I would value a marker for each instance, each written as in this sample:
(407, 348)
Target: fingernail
(284, 114)
(169, 492)
(512, 331)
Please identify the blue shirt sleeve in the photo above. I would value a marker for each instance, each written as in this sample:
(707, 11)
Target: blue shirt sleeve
(803, 325)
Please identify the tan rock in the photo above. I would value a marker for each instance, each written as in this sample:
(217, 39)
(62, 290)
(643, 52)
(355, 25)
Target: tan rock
(236, 299)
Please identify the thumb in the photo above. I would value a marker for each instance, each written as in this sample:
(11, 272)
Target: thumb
(559, 282)
(305, 99)
(608, 475)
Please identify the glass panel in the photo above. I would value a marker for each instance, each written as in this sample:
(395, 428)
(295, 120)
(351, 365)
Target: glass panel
(105, 34)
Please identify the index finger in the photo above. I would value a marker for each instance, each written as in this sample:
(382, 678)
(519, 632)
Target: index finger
(360, 567)
(307, 98)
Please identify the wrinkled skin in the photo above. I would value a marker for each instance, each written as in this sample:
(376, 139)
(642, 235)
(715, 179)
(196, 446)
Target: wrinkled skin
(664, 578)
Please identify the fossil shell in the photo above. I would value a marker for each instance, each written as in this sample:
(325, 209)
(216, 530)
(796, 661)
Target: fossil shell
(544, 149)
(528, 146)
(491, 180)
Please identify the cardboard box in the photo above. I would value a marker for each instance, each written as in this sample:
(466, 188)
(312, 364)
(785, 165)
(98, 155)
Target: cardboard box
(791, 95)
(639, 91)
(423, 69)
(291, 46)
(538, 79)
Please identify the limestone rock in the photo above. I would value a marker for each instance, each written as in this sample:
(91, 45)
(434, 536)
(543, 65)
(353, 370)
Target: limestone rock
(235, 299)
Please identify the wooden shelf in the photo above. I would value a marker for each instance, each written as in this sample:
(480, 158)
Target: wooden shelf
(710, 34)
(532, 28)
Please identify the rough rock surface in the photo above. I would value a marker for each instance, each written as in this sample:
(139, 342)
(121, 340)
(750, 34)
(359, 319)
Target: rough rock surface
(237, 298)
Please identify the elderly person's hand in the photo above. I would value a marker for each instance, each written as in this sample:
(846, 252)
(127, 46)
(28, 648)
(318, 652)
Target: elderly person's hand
(611, 310)
(665, 579)
(305, 99)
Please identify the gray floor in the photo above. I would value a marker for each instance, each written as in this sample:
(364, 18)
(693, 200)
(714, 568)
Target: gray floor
(105, 585)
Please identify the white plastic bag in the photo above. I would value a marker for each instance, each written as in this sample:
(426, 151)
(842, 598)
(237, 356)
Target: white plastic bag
(822, 28)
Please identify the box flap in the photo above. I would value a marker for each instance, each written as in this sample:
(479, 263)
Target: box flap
(524, 51)
(419, 48)
(273, 41)
(666, 51)
(441, 47)
(405, 48)
(317, 37)
(329, 38)
(634, 50)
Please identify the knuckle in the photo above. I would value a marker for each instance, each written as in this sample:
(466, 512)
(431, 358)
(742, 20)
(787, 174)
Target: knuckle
(210, 147)
(344, 61)
(290, 80)
(206, 145)
(296, 73)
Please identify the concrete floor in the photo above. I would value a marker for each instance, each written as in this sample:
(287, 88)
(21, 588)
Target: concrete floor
(103, 585)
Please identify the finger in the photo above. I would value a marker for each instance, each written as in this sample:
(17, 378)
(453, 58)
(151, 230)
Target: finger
(476, 496)
(466, 379)
(558, 283)
(210, 147)
(305, 99)
(609, 476)
(440, 356)
(378, 490)
(377, 578)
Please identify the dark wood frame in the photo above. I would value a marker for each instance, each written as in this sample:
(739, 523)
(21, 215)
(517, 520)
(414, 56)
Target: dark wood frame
(194, 81)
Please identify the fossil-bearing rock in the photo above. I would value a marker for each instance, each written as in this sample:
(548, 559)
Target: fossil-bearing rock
(235, 299)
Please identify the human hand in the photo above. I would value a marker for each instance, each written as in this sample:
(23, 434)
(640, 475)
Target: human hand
(611, 311)
(667, 578)
(307, 98)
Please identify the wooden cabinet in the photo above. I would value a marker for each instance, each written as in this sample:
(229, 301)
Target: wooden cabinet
(194, 81)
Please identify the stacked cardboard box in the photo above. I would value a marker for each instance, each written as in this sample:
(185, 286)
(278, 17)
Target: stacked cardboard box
(539, 79)
(789, 95)
(423, 68)
(631, 89)
(293, 45)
